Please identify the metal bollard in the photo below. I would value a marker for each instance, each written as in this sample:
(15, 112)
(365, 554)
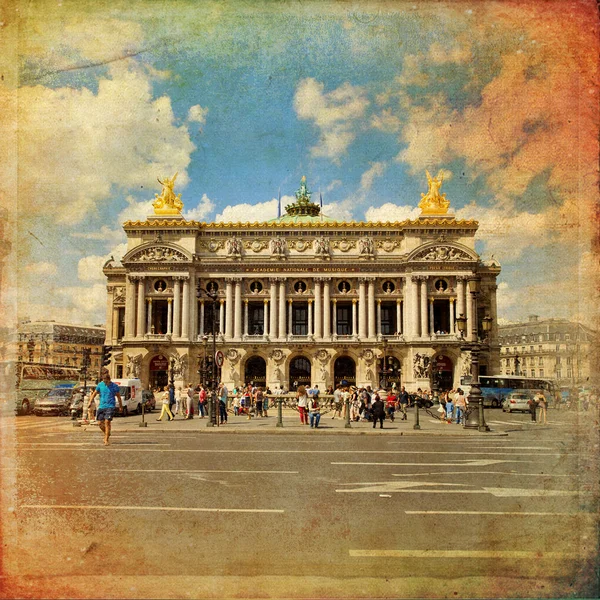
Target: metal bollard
(416, 425)
(143, 423)
(347, 424)
(209, 422)
(279, 413)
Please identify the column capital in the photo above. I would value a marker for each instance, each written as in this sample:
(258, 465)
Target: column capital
(265, 301)
(452, 300)
(273, 280)
(237, 279)
(229, 279)
(134, 278)
(322, 279)
(170, 300)
(379, 301)
(431, 300)
(398, 300)
(222, 301)
(290, 301)
(462, 277)
(415, 278)
(149, 300)
(334, 300)
(246, 300)
(354, 301)
(310, 301)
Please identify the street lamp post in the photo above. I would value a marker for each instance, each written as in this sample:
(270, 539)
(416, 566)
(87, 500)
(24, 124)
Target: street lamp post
(474, 420)
(212, 398)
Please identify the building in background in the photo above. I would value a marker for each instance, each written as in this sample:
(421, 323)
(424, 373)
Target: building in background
(553, 348)
(51, 343)
(302, 298)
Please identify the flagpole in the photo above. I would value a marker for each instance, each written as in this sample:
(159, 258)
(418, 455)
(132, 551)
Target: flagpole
(279, 203)
(321, 201)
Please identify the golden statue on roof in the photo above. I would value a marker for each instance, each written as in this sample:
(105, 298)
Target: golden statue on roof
(167, 203)
(434, 203)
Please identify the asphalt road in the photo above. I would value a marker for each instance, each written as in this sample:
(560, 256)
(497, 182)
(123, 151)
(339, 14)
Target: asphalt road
(262, 515)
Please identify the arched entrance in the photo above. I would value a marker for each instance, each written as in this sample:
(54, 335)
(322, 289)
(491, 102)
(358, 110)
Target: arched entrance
(256, 371)
(299, 372)
(390, 374)
(443, 371)
(344, 368)
(159, 372)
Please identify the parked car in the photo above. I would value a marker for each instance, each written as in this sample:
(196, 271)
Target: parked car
(516, 401)
(56, 401)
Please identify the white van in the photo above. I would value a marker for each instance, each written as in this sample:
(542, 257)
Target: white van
(131, 395)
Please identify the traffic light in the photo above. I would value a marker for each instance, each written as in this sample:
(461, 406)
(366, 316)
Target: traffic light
(106, 354)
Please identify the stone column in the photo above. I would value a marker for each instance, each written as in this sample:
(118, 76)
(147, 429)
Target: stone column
(202, 317)
(371, 308)
(326, 309)
(169, 316)
(221, 316)
(185, 313)
(493, 334)
(414, 308)
(424, 327)
(362, 308)
(399, 317)
(237, 320)
(246, 316)
(281, 308)
(451, 331)
(177, 307)
(265, 317)
(141, 305)
(273, 309)
(310, 317)
(149, 322)
(354, 318)
(194, 308)
(469, 307)
(379, 332)
(130, 306)
(110, 332)
(115, 326)
(431, 322)
(318, 310)
(460, 296)
(334, 318)
(229, 308)
(473, 325)
(290, 315)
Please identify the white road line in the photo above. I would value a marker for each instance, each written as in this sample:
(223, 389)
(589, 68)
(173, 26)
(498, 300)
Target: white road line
(85, 444)
(156, 508)
(490, 512)
(502, 447)
(448, 464)
(199, 471)
(509, 554)
(408, 487)
(461, 473)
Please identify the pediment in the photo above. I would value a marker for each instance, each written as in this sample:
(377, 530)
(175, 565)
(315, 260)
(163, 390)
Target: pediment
(443, 252)
(157, 253)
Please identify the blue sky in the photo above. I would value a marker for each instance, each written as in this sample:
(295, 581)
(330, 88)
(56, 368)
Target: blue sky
(243, 98)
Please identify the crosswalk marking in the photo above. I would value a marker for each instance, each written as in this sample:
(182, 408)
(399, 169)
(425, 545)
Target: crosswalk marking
(507, 554)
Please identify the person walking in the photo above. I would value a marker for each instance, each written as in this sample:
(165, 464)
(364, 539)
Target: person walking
(532, 402)
(403, 402)
(258, 401)
(171, 390)
(189, 396)
(108, 391)
(378, 411)
(543, 406)
(222, 395)
(337, 401)
(202, 399)
(390, 404)
(461, 405)
(314, 412)
(179, 402)
(449, 408)
(166, 405)
(302, 399)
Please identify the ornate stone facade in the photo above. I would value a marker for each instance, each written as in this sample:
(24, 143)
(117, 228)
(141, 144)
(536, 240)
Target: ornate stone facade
(300, 299)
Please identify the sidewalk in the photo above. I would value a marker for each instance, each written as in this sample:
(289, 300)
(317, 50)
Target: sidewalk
(292, 425)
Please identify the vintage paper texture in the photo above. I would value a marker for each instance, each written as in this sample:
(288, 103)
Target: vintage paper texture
(97, 100)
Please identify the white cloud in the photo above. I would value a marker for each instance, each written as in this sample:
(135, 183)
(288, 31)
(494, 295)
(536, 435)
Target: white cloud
(386, 121)
(197, 114)
(334, 113)
(136, 211)
(88, 303)
(41, 268)
(391, 212)
(250, 213)
(377, 170)
(505, 297)
(338, 211)
(77, 147)
(201, 210)
(333, 185)
(106, 234)
(89, 268)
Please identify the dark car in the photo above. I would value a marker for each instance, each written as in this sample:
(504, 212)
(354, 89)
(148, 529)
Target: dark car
(57, 401)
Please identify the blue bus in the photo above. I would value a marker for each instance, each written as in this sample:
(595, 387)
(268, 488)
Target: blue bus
(494, 388)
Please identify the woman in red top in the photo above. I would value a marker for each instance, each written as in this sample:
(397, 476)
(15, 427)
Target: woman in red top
(390, 405)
